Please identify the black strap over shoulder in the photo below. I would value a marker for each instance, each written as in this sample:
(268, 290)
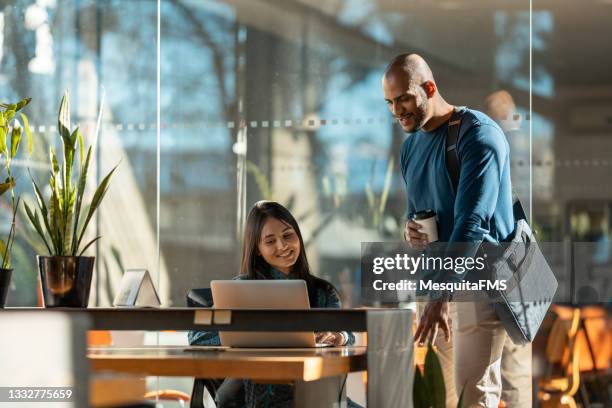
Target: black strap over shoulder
(452, 137)
(453, 165)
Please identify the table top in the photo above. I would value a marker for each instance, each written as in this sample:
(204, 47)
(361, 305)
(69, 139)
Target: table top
(217, 362)
(223, 319)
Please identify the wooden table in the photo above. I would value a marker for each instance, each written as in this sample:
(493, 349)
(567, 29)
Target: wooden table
(318, 373)
(205, 362)
(388, 357)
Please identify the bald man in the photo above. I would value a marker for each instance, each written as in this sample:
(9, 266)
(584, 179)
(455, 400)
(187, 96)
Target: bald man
(480, 210)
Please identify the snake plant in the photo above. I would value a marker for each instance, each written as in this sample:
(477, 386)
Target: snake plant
(11, 131)
(428, 388)
(60, 222)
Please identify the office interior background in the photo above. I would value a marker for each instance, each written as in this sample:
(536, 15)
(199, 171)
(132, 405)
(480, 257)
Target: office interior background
(211, 105)
(265, 99)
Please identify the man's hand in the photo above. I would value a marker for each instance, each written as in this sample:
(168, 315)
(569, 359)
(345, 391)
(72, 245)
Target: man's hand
(333, 338)
(415, 239)
(434, 316)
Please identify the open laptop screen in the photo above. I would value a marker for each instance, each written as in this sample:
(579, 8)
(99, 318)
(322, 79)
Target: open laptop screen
(262, 294)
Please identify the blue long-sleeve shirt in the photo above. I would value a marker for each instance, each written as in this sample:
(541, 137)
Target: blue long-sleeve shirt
(265, 395)
(481, 210)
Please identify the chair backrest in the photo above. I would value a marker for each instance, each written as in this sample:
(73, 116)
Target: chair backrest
(200, 298)
(562, 350)
(595, 339)
(562, 333)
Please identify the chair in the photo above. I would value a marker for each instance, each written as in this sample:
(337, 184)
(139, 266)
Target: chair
(199, 298)
(168, 395)
(595, 339)
(557, 389)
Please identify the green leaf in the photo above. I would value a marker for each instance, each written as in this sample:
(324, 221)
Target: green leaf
(95, 202)
(79, 199)
(420, 394)
(9, 114)
(36, 223)
(43, 209)
(434, 379)
(6, 255)
(15, 139)
(63, 118)
(68, 211)
(67, 172)
(68, 141)
(54, 164)
(26, 126)
(81, 147)
(39, 198)
(8, 184)
(89, 244)
(460, 402)
(370, 195)
(56, 216)
(74, 137)
(22, 103)
(3, 147)
(260, 179)
(6, 264)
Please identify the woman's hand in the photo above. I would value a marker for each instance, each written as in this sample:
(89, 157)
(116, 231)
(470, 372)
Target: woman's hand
(333, 338)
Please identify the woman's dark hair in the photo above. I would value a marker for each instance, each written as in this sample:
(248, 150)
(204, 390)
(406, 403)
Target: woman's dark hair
(255, 267)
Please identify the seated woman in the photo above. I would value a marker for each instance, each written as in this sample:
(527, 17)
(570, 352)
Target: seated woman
(272, 248)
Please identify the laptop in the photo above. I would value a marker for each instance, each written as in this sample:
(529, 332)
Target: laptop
(262, 294)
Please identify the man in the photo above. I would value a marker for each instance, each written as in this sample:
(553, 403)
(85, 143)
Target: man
(480, 210)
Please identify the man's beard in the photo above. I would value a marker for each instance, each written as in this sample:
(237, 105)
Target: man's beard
(420, 113)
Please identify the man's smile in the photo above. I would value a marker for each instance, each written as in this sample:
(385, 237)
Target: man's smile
(403, 120)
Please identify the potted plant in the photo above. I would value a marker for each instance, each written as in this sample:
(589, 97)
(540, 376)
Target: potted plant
(65, 273)
(428, 389)
(11, 132)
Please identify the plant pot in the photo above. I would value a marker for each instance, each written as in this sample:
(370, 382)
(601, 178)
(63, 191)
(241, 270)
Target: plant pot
(66, 280)
(5, 284)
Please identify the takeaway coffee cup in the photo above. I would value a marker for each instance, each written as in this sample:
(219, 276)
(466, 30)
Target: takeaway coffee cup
(430, 226)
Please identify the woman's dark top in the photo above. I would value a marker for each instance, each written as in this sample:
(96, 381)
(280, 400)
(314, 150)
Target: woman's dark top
(265, 395)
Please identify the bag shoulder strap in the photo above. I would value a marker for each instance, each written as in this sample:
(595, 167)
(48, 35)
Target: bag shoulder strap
(452, 156)
(452, 160)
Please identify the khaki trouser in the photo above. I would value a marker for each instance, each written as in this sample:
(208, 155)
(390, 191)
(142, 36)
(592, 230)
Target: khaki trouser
(472, 360)
(516, 375)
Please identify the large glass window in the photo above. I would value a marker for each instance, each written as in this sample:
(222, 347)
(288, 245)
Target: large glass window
(211, 105)
(256, 100)
(282, 100)
(101, 51)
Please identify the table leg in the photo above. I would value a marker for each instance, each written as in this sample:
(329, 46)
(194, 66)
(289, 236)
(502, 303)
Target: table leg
(323, 393)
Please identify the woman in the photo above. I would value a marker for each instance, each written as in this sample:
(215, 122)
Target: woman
(273, 248)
